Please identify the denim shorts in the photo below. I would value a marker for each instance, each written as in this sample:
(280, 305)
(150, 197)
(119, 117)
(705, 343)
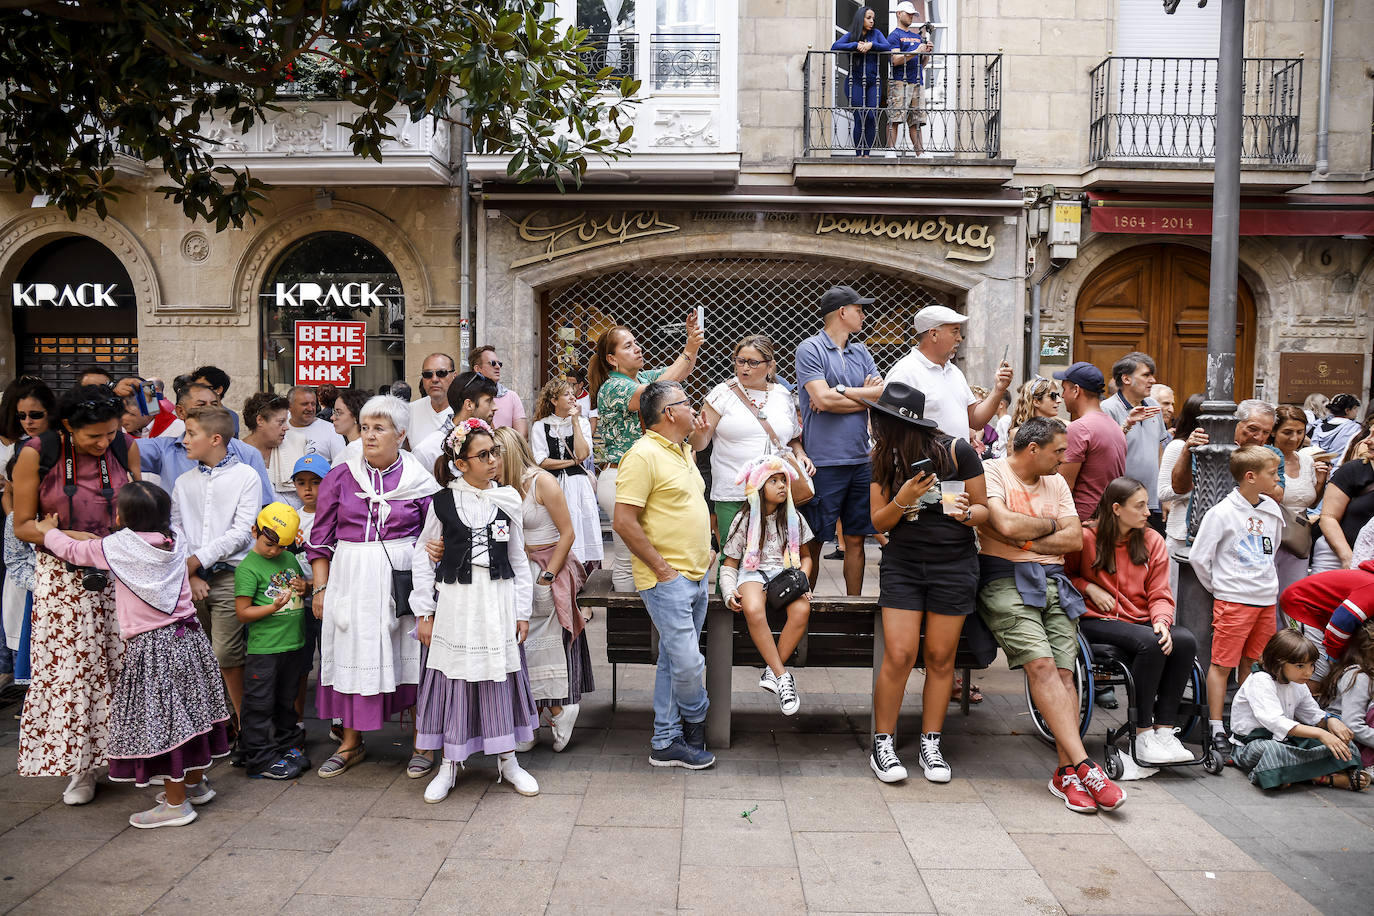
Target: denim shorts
(841, 495)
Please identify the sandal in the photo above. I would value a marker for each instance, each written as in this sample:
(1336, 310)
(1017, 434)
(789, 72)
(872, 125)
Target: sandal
(975, 696)
(419, 766)
(1356, 780)
(343, 759)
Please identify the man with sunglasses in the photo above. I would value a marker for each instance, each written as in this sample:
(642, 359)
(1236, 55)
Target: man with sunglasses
(509, 410)
(661, 514)
(429, 411)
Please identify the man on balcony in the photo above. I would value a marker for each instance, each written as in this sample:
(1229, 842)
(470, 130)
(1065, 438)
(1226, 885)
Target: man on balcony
(905, 102)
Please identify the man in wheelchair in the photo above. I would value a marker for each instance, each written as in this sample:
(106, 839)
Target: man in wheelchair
(1030, 605)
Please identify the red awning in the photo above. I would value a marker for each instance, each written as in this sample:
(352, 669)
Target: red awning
(1306, 214)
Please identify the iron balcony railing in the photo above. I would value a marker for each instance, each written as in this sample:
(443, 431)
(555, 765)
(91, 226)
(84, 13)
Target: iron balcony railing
(854, 106)
(689, 62)
(1166, 108)
(614, 50)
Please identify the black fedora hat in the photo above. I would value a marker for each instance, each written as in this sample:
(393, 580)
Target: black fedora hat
(903, 402)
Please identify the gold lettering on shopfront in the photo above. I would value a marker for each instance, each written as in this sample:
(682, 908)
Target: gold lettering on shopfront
(583, 233)
(960, 234)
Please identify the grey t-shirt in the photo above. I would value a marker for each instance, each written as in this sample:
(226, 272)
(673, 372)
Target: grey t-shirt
(1142, 444)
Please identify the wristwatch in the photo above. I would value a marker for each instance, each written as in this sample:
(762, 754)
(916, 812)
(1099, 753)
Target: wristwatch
(546, 577)
(841, 389)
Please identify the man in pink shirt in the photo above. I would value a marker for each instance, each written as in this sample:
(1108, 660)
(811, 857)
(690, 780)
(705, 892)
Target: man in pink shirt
(509, 410)
(1097, 447)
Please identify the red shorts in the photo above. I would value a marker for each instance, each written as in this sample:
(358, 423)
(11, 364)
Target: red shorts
(1239, 631)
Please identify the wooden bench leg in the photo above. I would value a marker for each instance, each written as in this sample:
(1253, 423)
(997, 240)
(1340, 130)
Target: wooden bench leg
(879, 649)
(615, 683)
(720, 653)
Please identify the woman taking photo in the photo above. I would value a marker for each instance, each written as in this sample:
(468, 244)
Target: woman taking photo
(367, 514)
(74, 470)
(1347, 503)
(1304, 480)
(1130, 606)
(865, 44)
(27, 407)
(617, 378)
(264, 418)
(560, 442)
(928, 494)
(731, 421)
(345, 419)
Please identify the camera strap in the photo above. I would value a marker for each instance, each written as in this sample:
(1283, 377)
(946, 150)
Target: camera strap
(69, 481)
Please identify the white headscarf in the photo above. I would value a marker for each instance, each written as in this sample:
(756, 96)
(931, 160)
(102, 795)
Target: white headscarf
(415, 483)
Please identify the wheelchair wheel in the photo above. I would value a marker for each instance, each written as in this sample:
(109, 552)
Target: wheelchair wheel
(1194, 697)
(1213, 763)
(1083, 683)
(1112, 762)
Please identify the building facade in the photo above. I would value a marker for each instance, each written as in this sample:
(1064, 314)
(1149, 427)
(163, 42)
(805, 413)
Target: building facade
(1056, 188)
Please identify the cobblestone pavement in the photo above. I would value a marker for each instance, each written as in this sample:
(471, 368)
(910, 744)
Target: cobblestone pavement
(610, 833)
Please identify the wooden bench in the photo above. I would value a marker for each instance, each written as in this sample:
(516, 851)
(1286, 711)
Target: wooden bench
(844, 632)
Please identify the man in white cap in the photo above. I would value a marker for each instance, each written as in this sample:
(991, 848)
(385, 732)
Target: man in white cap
(929, 367)
(908, 74)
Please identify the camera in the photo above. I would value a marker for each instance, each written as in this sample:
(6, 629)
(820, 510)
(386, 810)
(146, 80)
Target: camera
(92, 580)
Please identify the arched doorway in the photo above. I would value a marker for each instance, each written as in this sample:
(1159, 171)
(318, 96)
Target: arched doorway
(334, 276)
(740, 296)
(74, 306)
(1153, 298)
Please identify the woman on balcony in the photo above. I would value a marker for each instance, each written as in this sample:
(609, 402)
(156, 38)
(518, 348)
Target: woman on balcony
(864, 42)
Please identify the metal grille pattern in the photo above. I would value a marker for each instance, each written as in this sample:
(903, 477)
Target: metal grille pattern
(686, 62)
(611, 49)
(740, 296)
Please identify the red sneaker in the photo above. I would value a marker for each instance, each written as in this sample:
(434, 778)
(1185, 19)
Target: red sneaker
(1064, 784)
(1108, 795)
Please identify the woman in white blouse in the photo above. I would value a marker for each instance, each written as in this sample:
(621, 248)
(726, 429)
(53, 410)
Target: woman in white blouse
(1304, 480)
(731, 422)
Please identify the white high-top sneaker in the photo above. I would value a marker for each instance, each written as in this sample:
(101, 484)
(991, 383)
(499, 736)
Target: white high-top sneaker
(443, 782)
(563, 725)
(81, 789)
(509, 769)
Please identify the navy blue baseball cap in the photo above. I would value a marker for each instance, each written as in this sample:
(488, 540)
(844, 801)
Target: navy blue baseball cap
(314, 463)
(1084, 375)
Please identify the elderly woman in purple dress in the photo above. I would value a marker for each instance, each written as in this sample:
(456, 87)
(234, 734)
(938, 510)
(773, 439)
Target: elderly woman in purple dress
(369, 510)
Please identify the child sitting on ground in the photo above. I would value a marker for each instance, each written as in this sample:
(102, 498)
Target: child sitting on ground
(1281, 735)
(268, 590)
(169, 718)
(1233, 557)
(1346, 691)
(765, 538)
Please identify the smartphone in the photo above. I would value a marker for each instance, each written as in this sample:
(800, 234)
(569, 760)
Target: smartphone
(924, 466)
(701, 318)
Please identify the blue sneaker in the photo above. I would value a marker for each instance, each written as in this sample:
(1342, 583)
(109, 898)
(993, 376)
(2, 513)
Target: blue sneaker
(681, 754)
(297, 756)
(284, 768)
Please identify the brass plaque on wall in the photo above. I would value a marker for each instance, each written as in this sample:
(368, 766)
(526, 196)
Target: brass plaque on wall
(1301, 374)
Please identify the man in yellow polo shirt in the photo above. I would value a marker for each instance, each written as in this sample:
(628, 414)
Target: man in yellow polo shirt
(661, 515)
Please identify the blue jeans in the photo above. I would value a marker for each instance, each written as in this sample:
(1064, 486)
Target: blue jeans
(678, 610)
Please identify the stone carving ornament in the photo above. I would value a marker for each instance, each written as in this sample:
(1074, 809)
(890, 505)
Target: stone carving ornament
(195, 247)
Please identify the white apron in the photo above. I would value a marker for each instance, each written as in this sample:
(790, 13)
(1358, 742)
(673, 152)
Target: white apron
(474, 628)
(545, 657)
(364, 649)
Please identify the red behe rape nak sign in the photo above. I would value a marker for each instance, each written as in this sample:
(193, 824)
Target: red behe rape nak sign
(327, 351)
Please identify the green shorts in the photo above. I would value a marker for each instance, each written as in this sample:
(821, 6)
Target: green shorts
(1027, 633)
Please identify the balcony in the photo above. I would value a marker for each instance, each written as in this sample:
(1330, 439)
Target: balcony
(304, 144)
(1161, 112)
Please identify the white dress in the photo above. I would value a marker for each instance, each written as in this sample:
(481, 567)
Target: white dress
(578, 489)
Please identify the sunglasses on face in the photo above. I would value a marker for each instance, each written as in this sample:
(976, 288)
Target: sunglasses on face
(30, 415)
(490, 454)
(435, 373)
(494, 363)
(1053, 396)
(751, 363)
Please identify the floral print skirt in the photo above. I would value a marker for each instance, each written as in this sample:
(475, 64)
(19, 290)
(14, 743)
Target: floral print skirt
(77, 655)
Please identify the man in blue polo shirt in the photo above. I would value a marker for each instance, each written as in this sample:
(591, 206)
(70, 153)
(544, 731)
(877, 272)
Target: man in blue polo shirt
(834, 376)
(166, 457)
(904, 95)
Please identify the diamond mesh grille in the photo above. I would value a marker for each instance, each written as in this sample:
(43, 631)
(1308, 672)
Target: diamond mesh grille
(741, 296)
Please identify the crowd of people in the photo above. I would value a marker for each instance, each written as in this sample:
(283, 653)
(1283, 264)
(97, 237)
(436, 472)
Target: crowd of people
(175, 571)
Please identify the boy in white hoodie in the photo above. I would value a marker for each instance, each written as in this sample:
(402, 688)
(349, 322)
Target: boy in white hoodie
(1233, 557)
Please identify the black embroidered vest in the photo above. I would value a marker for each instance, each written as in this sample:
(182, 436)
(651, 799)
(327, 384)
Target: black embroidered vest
(561, 449)
(456, 563)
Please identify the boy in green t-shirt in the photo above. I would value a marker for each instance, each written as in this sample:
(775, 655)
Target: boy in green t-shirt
(269, 591)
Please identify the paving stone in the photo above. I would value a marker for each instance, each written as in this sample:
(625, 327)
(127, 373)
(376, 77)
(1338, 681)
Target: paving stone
(1174, 837)
(162, 856)
(411, 850)
(266, 831)
(750, 780)
(83, 827)
(237, 794)
(311, 799)
(1026, 806)
(510, 826)
(631, 867)
(324, 905)
(1004, 891)
(1235, 893)
(236, 880)
(405, 798)
(26, 866)
(1097, 874)
(953, 835)
(740, 889)
(860, 872)
(817, 803)
(915, 789)
(477, 886)
(16, 812)
(714, 832)
(652, 799)
(76, 898)
(1324, 827)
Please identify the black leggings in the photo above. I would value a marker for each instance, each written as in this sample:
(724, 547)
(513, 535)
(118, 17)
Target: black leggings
(1159, 678)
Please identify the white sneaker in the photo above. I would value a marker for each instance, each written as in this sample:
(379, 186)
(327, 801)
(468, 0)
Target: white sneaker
(932, 761)
(509, 769)
(768, 680)
(562, 725)
(1152, 748)
(884, 762)
(525, 747)
(788, 701)
(81, 789)
(443, 782)
(1168, 740)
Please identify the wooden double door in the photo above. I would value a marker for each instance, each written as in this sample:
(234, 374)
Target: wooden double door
(1153, 298)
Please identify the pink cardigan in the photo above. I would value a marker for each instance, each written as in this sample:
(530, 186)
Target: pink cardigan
(1142, 592)
(135, 615)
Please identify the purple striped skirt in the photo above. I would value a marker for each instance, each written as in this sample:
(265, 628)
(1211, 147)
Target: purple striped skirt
(463, 718)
